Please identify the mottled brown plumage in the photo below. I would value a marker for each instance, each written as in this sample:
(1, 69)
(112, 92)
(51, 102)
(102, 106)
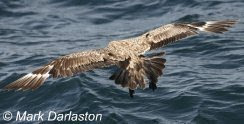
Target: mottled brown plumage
(135, 69)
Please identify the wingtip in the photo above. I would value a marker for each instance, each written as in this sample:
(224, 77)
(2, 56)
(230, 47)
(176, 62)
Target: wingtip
(28, 82)
(14, 88)
(219, 27)
(233, 20)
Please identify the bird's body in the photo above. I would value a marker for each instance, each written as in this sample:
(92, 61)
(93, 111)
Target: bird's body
(128, 54)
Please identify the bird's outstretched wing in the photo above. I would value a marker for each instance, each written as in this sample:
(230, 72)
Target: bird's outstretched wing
(173, 32)
(62, 67)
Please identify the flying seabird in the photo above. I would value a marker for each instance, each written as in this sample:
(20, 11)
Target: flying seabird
(135, 69)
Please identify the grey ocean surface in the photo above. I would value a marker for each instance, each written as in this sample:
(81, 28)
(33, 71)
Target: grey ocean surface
(203, 82)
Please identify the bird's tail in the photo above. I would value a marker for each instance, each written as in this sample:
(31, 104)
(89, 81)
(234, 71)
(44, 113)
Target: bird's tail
(153, 67)
(32, 80)
(148, 67)
(213, 26)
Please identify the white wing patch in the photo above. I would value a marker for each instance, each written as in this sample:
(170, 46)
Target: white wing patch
(31, 81)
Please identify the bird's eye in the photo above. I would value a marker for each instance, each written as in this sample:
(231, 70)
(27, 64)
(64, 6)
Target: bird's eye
(110, 54)
(147, 35)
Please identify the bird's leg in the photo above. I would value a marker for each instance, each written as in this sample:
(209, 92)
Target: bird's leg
(152, 86)
(132, 92)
